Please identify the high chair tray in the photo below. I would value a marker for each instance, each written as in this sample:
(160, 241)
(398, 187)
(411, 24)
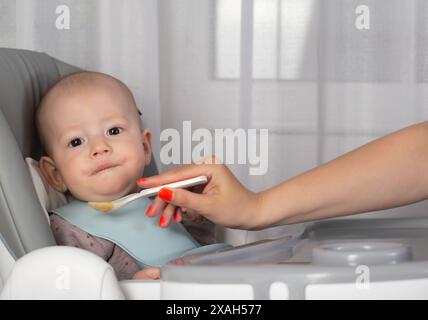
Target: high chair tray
(336, 259)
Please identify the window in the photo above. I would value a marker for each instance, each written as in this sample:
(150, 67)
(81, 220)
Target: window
(311, 40)
(280, 33)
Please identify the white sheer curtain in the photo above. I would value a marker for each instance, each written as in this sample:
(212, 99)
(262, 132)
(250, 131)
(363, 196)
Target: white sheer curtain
(324, 76)
(119, 38)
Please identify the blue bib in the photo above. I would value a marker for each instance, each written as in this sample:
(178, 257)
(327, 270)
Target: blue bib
(134, 232)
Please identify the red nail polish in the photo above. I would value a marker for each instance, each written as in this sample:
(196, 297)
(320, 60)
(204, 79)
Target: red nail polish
(176, 217)
(141, 180)
(165, 194)
(162, 221)
(149, 209)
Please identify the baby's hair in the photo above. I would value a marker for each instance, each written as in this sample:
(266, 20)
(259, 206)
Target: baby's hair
(71, 82)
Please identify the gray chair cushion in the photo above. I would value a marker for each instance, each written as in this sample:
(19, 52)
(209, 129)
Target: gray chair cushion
(25, 76)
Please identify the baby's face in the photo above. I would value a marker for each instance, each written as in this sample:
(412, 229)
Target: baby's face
(97, 144)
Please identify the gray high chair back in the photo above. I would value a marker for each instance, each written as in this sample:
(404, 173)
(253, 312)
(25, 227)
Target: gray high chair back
(25, 76)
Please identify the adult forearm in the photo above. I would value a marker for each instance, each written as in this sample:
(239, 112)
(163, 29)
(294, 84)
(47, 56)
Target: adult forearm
(388, 172)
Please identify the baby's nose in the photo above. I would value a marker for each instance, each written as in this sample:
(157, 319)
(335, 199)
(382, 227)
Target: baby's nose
(100, 148)
(99, 152)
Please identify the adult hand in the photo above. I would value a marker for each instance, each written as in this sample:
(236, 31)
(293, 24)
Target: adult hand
(223, 200)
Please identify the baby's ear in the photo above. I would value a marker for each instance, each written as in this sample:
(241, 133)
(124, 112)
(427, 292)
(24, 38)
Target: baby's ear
(51, 174)
(146, 137)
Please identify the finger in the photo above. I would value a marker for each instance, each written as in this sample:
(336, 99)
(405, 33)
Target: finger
(178, 215)
(166, 216)
(184, 198)
(188, 215)
(180, 173)
(173, 175)
(156, 207)
(209, 160)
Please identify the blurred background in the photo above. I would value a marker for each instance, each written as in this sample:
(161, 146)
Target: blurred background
(323, 76)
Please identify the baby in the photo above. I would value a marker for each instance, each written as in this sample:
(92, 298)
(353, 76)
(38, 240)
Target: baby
(96, 148)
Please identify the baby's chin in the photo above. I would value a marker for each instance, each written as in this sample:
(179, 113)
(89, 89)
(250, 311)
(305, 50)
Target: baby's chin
(103, 194)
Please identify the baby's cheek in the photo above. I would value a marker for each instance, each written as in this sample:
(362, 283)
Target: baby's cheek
(76, 184)
(79, 192)
(137, 159)
(76, 180)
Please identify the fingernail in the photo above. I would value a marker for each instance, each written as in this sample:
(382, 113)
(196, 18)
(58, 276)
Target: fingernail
(176, 217)
(149, 209)
(162, 221)
(142, 180)
(165, 194)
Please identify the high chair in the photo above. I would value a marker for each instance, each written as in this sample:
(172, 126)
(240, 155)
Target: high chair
(333, 259)
(25, 76)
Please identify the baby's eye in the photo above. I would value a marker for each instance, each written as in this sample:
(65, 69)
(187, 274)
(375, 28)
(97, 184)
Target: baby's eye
(75, 142)
(114, 131)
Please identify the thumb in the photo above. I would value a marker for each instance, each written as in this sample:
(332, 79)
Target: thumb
(184, 198)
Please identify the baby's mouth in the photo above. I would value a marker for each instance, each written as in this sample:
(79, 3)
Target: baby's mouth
(104, 166)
